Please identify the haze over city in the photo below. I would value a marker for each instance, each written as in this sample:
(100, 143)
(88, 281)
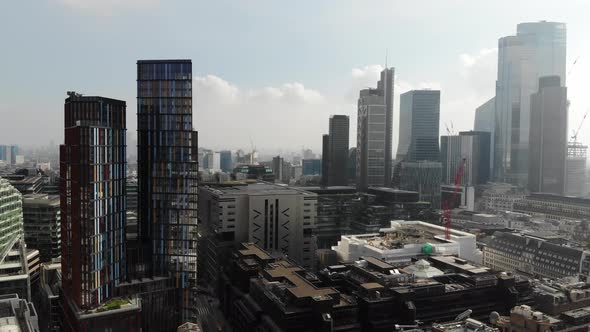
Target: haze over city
(302, 166)
(265, 69)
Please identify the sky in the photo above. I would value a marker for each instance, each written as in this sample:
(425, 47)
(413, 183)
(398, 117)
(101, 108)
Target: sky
(267, 73)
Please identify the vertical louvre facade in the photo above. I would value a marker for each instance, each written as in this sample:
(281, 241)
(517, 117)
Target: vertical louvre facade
(374, 133)
(167, 174)
(92, 199)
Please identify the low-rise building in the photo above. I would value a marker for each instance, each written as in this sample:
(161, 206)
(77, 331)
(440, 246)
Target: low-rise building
(17, 314)
(534, 256)
(406, 240)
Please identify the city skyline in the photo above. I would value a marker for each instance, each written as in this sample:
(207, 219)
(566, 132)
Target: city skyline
(237, 91)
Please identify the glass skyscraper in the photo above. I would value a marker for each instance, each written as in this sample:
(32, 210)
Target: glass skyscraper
(548, 148)
(419, 126)
(167, 176)
(338, 150)
(538, 49)
(374, 133)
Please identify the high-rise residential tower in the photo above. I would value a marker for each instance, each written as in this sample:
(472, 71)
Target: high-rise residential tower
(419, 125)
(374, 133)
(548, 146)
(93, 203)
(167, 175)
(338, 150)
(538, 49)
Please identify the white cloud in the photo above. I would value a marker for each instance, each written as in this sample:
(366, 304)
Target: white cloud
(107, 7)
(276, 117)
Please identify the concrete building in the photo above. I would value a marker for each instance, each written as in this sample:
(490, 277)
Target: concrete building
(554, 207)
(17, 314)
(419, 126)
(42, 225)
(26, 184)
(268, 294)
(374, 133)
(325, 159)
(279, 219)
(533, 256)
(406, 240)
(548, 137)
(338, 150)
(167, 223)
(538, 49)
(423, 177)
(497, 197)
(19, 271)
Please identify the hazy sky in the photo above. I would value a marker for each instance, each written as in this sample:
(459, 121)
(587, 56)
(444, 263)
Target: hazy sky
(266, 69)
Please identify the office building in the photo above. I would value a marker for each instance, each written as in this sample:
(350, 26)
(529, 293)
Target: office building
(93, 211)
(211, 161)
(19, 270)
(42, 225)
(26, 184)
(533, 256)
(269, 294)
(485, 119)
(17, 314)
(538, 49)
(499, 197)
(424, 177)
(419, 126)
(338, 151)
(576, 169)
(405, 240)
(352, 166)
(554, 207)
(548, 137)
(225, 161)
(374, 133)
(337, 208)
(11, 216)
(254, 172)
(325, 159)
(48, 303)
(9, 153)
(281, 169)
(311, 166)
(279, 219)
(167, 176)
(474, 148)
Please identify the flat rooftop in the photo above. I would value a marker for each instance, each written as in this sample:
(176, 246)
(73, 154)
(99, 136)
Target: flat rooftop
(258, 188)
(300, 288)
(250, 249)
(406, 234)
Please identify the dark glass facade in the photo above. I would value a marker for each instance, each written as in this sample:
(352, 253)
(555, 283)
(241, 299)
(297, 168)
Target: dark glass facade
(92, 199)
(167, 175)
(311, 166)
(548, 137)
(338, 150)
(419, 126)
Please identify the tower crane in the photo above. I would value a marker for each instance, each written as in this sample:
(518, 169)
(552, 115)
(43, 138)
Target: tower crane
(447, 206)
(575, 135)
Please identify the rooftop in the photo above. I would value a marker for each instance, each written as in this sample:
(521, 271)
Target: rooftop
(258, 188)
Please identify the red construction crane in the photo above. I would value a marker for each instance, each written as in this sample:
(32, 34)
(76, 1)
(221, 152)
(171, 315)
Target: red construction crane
(447, 206)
